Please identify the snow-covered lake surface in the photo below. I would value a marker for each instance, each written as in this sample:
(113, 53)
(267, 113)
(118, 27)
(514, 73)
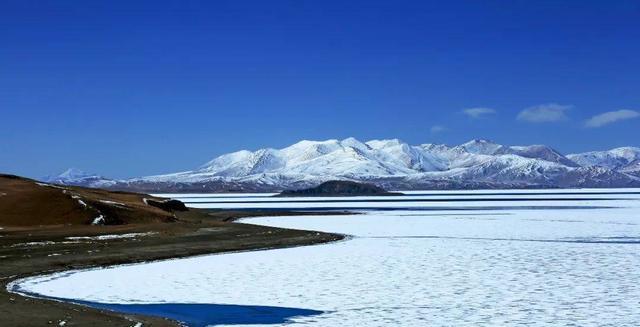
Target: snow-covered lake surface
(536, 258)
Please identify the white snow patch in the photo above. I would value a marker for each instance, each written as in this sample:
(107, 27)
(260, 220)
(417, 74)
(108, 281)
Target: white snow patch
(98, 220)
(50, 185)
(41, 243)
(146, 200)
(109, 236)
(78, 198)
(113, 203)
(211, 195)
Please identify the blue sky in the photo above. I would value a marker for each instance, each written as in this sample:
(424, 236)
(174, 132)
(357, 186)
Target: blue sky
(130, 88)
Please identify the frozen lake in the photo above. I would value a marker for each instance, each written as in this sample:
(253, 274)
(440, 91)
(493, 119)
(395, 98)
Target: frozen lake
(488, 258)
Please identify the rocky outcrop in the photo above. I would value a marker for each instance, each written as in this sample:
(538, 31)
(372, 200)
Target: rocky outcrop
(340, 188)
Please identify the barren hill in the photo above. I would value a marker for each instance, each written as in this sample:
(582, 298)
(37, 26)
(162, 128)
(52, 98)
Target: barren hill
(25, 202)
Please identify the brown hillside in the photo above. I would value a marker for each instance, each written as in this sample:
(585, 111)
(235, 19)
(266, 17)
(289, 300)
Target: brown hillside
(25, 202)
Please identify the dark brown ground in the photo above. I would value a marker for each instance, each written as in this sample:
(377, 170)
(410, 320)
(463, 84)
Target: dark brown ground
(36, 219)
(25, 202)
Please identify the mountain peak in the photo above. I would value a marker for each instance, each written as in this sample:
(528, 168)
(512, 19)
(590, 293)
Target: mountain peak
(627, 152)
(74, 173)
(481, 146)
(623, 158)
(379, 144)
(480, 141)
(69, 174)
(354, 143)
(350, 139)
(74, 176)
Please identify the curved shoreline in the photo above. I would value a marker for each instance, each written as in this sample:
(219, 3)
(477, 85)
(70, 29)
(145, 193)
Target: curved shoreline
(199, 233)
(14, 285)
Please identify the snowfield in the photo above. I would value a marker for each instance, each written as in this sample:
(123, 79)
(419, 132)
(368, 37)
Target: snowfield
(432, 201)
(549, 266)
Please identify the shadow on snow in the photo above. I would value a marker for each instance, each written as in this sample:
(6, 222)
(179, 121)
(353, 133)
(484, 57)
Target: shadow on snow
(200, 315)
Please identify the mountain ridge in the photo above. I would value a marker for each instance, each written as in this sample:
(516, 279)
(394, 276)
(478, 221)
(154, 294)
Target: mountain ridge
(391, 164)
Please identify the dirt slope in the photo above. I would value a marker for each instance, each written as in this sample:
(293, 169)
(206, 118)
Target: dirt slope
(25, 202)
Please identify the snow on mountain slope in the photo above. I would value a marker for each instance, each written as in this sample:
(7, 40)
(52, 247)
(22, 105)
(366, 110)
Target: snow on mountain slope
(455, 157)
(391, 161)
(633, 168)
(537, 152)
(625, 158)
(333, 159)
(394, 164)
(74, 176)
(479, 146)
(598, 176)
(406, 157)
(70, 174)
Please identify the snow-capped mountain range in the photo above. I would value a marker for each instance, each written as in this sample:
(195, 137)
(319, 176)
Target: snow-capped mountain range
(74, 176)
(391, 164)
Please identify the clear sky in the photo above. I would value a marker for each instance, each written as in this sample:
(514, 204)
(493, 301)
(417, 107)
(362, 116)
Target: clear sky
(131, 88)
